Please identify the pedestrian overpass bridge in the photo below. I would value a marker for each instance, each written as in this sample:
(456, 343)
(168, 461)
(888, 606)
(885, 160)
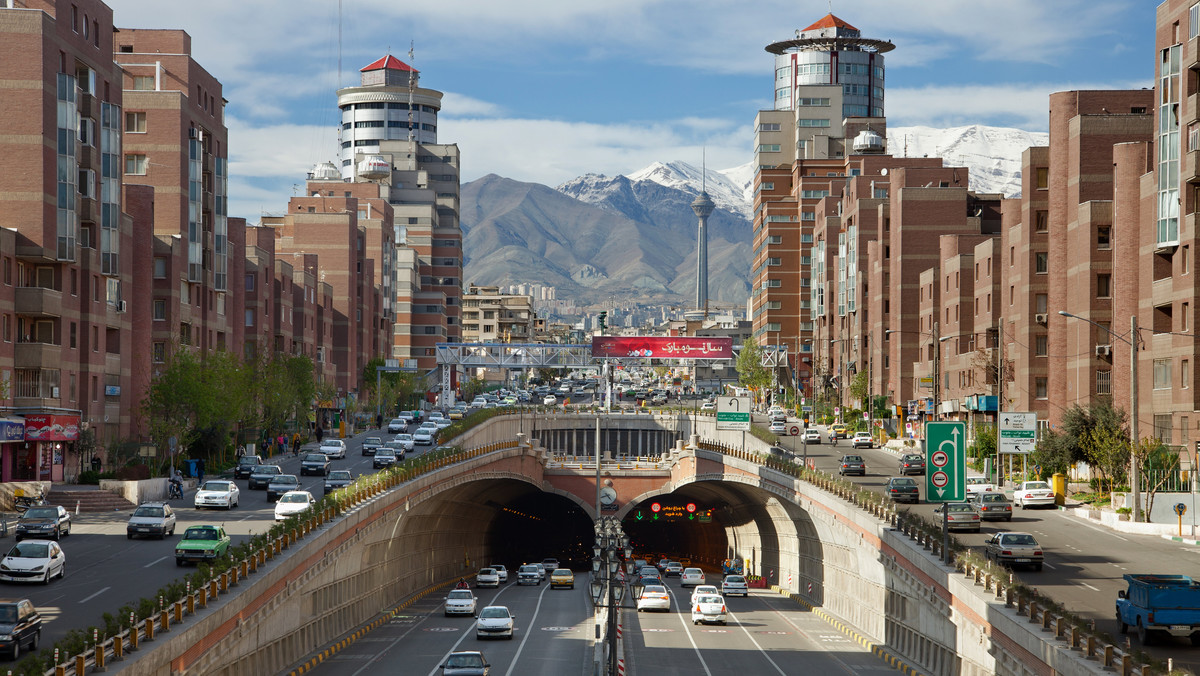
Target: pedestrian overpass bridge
(523, 500)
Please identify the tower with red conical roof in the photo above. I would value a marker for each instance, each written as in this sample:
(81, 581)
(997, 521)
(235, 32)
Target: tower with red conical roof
(830, 52)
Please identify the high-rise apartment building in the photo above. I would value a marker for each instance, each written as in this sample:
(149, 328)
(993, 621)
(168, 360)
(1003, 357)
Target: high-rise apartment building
(175, 137)
(389, 140)
(493, 317)
(64, 330)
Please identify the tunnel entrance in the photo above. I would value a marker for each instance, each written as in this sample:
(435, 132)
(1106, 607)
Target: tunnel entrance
(685, 524)
(530, 525)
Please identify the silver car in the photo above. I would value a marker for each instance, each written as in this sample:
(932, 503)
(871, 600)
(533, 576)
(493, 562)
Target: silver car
(1014, 549)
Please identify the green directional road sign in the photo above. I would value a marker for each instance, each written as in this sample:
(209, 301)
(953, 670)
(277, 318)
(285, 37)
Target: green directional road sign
(733, 413)
(945, 462)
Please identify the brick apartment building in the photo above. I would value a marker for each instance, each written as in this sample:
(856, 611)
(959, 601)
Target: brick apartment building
(1104, 230)
(64, 262)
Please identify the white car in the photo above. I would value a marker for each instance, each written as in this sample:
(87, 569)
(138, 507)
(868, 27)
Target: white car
(708, 406)
(217, 493)
(423, 437)
(405, 440)
(34, 561)
(501, 571)
(460, 602)
(443, 423)
(334, 448)
(396, 425)
(479, 402)
(704, 589)
(654, 597)
(487, 577)
(734, 584)
(979, 484)
(292, 502)
(862, 440)
(708, 608)
(495, 621)
(690, 577)
(812, 436)
(1033, 494)
(777, 427)
(549, 400)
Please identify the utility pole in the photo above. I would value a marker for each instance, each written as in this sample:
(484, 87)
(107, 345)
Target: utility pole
(999, 399)
(937, 372)
(1134, 460)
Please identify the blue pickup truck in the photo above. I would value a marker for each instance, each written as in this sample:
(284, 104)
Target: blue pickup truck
(1157, 605)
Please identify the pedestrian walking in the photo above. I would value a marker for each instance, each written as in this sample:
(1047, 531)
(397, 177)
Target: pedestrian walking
(200, 471)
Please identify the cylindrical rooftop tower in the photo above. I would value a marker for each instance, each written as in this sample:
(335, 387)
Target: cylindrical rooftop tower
(379, 110)
(830, 52)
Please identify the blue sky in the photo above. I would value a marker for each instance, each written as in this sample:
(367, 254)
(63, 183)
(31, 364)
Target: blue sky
(546, 90)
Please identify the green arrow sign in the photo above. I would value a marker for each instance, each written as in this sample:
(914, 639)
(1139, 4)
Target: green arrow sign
(945, 462)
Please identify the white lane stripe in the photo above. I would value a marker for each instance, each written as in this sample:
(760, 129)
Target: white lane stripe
(155, 561)
(528, 632)
(454, 647)
(95, 595)
(375, 658)
(688, 630)
(756, 645)
(1084, 584)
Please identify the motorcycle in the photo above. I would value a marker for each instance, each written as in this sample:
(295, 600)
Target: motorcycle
(23, 501)
(174, 490)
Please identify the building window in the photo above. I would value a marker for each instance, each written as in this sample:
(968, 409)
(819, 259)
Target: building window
(768, 126)
(774, 239)
(1040, 345)
(1041, 262)
(160, 353)
(1104, 237)
(1040, 302)
(1039, 388)
(135, 123)
(768, 148)
(74, 338)
(160, 268)
(160, 310)
(1041, 221)
(95, 339)
(250, 318)
(1103, 285)
(249, 282)
(1162, 374)
(135, 165)
(143, 83)
(1194, 21)
(1042, 176)
(1185, 373)
(1104, 382)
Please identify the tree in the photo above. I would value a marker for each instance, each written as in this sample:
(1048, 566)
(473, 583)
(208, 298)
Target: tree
(472, 387)
(1108, 451)
(985, 441)
(1053, 453)
(1164, 461)
(751, 373)
(1078, 423)
(860, 387)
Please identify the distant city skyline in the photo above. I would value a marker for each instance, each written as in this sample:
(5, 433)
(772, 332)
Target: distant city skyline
(543, 92)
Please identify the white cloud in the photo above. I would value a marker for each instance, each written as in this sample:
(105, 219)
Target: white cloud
(461, 105)
(550, 152)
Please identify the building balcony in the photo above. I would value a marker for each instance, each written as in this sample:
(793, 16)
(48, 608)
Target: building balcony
(89, 157)
(32, 355)
(34, 301)
(89, 210)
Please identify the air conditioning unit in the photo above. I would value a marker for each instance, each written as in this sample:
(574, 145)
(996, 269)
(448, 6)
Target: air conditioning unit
(1104, 351)
(1040, 318)
(54, 393)
(120, 306)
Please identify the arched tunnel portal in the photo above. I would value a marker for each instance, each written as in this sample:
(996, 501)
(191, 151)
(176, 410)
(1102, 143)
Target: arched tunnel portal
(509, 520)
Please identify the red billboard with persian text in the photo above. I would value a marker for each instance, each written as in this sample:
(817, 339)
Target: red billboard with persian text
(659, 347)
(51, 427)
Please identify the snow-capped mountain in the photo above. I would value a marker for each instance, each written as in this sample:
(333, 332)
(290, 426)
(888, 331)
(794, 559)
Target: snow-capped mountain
(992, 154)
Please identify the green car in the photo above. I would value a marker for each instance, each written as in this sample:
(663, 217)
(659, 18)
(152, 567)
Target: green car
(201, 543)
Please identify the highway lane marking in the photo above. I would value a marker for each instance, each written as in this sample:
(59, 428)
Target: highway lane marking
(1084, 584)
(155, 561)
(1084, 522)
(95, 595)
(1052, 568)
(816, 644)
(527, 634)
(753, 640)
(454, 647)
(687, 631)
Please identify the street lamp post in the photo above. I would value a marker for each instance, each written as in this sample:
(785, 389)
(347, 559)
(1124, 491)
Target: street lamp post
(1134, 468)
(607, 588)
